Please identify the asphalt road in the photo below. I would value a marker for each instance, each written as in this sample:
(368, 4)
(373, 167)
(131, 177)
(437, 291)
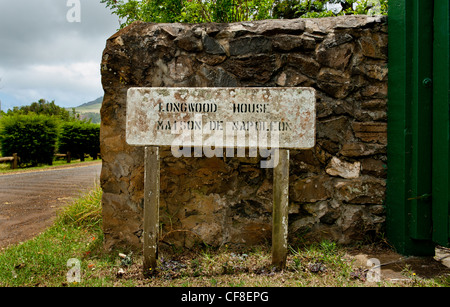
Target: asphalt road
(29, 200)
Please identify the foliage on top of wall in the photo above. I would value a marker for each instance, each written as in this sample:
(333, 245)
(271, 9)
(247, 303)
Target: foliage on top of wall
(199, 11)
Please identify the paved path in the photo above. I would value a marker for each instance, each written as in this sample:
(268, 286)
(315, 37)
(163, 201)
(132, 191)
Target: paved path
(29, 200)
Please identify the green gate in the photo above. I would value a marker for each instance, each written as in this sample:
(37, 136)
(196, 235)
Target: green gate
(417, 201)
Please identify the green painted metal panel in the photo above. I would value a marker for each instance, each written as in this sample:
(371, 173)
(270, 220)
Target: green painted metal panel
(421, 35)
(398, 157)
(441, 120)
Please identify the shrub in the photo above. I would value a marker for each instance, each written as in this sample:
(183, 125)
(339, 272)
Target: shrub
(80, 138)
(33, 137)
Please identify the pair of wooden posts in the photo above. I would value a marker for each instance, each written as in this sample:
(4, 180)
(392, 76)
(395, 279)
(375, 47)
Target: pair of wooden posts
(151, 209)
(287, 113)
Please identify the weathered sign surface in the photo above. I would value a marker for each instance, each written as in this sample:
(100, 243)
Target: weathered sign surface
(222, 117)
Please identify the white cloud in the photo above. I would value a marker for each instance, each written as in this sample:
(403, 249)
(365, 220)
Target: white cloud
(72, 76)
(42, 55)
(68, 84)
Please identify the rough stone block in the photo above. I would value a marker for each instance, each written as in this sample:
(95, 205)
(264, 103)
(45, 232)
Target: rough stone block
(343, 169)
(311, 189)
(364, 190)
(371, 132)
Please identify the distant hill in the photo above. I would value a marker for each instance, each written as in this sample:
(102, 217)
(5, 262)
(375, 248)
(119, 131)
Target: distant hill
(90, 110)
(91, 106)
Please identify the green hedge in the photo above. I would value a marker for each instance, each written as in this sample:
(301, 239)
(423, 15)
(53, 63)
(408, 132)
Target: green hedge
(80, 138)
(33, 137)
(36, 138)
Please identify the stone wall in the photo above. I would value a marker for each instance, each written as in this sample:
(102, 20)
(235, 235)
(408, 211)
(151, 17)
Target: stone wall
(337, 189)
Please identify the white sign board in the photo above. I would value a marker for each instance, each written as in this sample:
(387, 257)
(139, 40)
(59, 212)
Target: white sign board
(221, 117)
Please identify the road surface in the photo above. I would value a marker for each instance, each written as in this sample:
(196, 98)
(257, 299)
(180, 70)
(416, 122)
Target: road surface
(29, 200)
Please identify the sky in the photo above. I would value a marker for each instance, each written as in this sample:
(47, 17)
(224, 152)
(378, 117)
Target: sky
(52, 49)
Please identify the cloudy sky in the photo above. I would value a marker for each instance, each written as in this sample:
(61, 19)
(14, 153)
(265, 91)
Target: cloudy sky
(43, 55)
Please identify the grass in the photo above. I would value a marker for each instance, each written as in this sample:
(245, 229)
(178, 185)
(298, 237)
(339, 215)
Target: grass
(6, 167)
(42, 261)
(77, 233)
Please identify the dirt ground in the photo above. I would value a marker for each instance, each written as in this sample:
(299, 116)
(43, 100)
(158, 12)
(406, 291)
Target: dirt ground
(393, 266)
(29, 200)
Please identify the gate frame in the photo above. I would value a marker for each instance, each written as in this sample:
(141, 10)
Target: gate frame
(418, 126)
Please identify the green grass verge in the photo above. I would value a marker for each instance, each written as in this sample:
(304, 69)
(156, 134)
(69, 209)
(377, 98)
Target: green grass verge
(6, 167)
(42, 261)
(77, 234)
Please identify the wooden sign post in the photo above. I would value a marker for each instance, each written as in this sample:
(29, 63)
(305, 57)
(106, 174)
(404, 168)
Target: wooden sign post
(280, 210)
(151, 208)
(268, 120)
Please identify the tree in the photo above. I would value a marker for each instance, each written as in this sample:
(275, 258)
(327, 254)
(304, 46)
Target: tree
(192, 11)
(288, 9)
(45, 108)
